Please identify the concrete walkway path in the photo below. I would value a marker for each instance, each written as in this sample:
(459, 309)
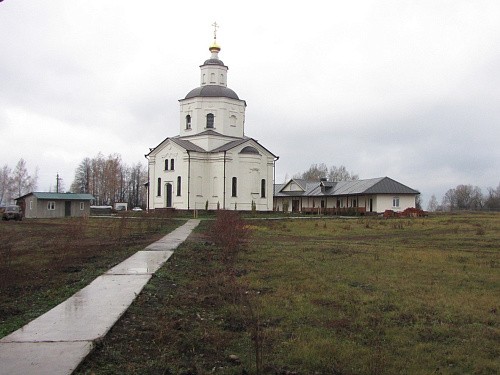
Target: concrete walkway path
(57, 341)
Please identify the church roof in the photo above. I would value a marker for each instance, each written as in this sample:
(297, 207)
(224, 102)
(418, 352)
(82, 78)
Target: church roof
(188, 145)
(213, 62)
(212, 91)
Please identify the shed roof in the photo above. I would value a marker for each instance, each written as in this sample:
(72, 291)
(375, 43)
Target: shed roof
(59, 196)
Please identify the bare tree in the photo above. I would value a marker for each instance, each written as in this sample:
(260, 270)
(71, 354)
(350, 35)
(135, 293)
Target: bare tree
(341, 174)
(463, 197)
(5, 184)
(433, 204)
(318, 171)
(109, 180)
(492, 202)
(315, 172)
(22, 181)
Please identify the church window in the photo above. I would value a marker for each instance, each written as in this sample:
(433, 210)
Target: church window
(222, 78)
(166, 164)
(199, 186)
(214, 187)
(263, 188)
(203, 80)
(234, 187)
(212, 77)
(179, 186)
(188, 122)
(232, 120)
(210, 120)
(172, 164)
(158, 193)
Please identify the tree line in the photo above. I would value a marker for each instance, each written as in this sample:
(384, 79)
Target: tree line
(467, 197)
(316, 172)
(17, 182)
(110, 180)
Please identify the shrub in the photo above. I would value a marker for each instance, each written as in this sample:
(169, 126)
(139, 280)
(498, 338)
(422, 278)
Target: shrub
(229, 232)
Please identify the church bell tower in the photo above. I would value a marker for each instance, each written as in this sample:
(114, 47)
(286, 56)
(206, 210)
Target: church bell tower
(212, 106)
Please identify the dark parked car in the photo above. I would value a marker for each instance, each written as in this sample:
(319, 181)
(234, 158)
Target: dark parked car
(12, 212)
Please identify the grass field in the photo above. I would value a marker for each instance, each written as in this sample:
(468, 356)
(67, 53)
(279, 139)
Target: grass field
(305, 296)
(43, 262)
(320, 296)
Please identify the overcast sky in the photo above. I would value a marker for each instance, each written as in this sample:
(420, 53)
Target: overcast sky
(405, 89)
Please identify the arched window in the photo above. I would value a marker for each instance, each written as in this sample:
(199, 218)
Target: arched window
(234, 187)
(212, 77)
(179, 186)
(159, 187)
(222, 78)
(172, 164)
(188, 122)
(232, 120)
(263, 188)
(166, 164)
(210, 120)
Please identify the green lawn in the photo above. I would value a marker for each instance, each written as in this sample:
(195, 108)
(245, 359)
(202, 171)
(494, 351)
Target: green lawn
(321, 296)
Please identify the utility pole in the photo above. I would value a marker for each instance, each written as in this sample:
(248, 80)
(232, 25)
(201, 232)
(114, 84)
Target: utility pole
(57, 182)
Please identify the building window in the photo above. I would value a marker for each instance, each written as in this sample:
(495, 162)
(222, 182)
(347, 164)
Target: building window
(166, 164)
(395, 202)
(188, 122)
(158, 193)
(199, 186)
(354, 203)
(232, 120)
(82, 206)
(222, 78)
(178, 186)
(263, 188)
(31, 205)
(212, 78)
(51, 206)
(210, 120)
(234, 187)
(172, 164)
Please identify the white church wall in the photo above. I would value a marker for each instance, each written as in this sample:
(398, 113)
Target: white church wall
(222, 109)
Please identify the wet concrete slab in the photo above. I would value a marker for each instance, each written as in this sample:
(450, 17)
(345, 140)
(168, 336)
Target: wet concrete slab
(29, 358)
(142, 262)
(57, 341)
(87, 315)
(172, 240)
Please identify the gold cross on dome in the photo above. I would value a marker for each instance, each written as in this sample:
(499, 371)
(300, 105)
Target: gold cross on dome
(215, 29)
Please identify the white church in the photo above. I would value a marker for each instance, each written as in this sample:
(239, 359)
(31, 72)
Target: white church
(211, 163)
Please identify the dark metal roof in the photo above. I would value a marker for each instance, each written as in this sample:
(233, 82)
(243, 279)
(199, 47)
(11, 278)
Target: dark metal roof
(188, 145)
(60, 196)
(381, 185)
(228, 146)
(212, 91)
(213, 62)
